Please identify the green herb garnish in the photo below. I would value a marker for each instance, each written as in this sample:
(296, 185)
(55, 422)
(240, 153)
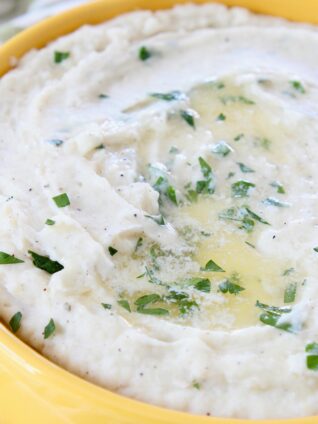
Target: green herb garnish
(103, 96)
(222, 149)
(297, 85)
(45, 263)
(196, 385)
(201, 284)
(211, 266)
(6, 259)
(153, 311)
(244, 168)
(272, 315)
(221, 117)
(144, 53)
(188, 117)
(238, 137)
(234, 99)
(312, 359)
(124, 304)
(288, 271)
(290, 293)
(15, 322)
(112, 251)
(244, 216)
(228, 286)
(106, 305)
(169, 97)
(147, 299)
(158, 219)
(206, 186)
(49, 330)
(49, 222)
(241, 188)
(61, 56)
(139, 243)
(315, 249)
(271, 201)
(62, 200)
(278, 186)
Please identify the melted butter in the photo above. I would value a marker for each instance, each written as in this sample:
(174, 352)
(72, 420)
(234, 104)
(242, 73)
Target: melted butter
(261, 277)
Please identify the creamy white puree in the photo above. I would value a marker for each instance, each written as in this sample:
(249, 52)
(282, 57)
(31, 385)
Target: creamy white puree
(245, 81)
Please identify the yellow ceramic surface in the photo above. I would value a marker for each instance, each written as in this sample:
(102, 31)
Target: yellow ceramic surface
(32, 389)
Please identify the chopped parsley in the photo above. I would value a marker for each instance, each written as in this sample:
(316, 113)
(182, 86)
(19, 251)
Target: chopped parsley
(278, 186)
(196, 385)
(241, 188)
(221, 117)
(103, 96)
(228, 286)
(158, 219)
(222, 149)
(112, 251)
(315, 249)
(288, 271)
(272, 201)
(106, 305)
(170, 96)
(59, 57)
(238, 137)
(147, 299)
(6, 259)
(244, 216)
(244, 168)
(45, 263)
(62, 200)
(144, 53)
(234, 99)
(49, 329)
(139, 243)
(153, 311)
(298, 86)
(124, 304)
(312, 358)
(49, 222)
(271, 316)
(290, 293)
(15, 322)
(206, 186)
(265, 143)
(182, 300)
(201, 284)
(188, 117)
(162, 185)
(211, 266)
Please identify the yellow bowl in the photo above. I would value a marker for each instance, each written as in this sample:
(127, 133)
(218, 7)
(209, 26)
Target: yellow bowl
(32, 389)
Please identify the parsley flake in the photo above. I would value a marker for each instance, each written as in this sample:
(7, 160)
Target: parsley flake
(227, 286)
(59, 57)
(244, 168)
(45, 263)
(222, 149)
(106, 305)
(15, 322)
(298, 86)
(221, 117)
(62, 200)
(241, 188)
(144, 53)
(211, 266)
(188, 117)
(124, 304)
(290, 293)
(169, 97)
(49, 222)
(49, 330)
(6, 259)
(112, 251)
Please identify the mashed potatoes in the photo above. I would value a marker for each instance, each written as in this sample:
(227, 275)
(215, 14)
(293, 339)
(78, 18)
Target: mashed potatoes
(158, 209)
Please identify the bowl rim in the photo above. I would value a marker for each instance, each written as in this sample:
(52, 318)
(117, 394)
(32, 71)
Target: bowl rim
(21, 358)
